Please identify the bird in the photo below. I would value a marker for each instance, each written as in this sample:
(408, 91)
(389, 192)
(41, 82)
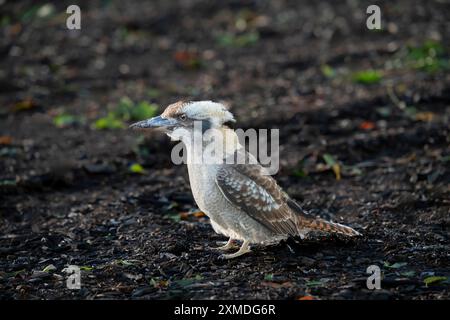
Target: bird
(242, 201)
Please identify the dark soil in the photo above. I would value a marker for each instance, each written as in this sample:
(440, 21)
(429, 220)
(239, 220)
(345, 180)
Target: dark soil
(67, 196)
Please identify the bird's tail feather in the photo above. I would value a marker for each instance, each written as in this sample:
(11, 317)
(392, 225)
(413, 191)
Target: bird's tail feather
(305, 221)
(332, 227)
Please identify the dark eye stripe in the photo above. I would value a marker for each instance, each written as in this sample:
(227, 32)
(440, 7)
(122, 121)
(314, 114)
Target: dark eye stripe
(206, 125)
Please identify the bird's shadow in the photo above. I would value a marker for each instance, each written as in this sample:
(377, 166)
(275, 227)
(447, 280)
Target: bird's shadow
(312, 245)
(294, 248)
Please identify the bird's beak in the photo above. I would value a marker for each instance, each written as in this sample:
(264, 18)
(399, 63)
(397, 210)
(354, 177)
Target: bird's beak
(156, 122)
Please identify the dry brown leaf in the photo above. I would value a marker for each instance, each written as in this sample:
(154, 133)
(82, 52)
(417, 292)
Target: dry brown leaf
(367, 125)
(24, 105)
(5, 140)
(184, 215)
(199, 214)
(425, 116)
(337, 171)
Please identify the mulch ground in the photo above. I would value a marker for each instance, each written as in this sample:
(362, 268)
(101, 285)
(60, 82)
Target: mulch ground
(376, 102)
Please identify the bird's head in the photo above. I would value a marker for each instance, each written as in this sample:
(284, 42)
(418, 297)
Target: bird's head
(185, 116)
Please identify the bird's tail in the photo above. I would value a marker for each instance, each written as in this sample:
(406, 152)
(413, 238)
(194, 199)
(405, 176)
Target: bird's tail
(331, 227)
(306, 221)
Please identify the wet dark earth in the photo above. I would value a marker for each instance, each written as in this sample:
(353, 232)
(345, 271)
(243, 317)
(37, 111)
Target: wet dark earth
(364, 140)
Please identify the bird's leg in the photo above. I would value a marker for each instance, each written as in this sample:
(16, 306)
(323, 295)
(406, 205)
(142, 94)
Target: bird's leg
(242, 250)
(229, 245)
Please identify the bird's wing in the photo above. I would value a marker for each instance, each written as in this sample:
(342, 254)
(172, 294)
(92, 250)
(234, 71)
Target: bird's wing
(246, 187)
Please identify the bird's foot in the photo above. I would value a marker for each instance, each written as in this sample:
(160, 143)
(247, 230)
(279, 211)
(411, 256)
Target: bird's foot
(245, 248)
(227, 246)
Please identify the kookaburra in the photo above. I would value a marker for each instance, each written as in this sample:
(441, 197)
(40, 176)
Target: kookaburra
(242, 202)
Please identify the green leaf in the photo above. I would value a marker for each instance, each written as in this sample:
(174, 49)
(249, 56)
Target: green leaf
(411, 111)
(86, 268)
(125, 262)
(187, 281)
(268, 277)
(300, 173)
(122, 110)
(174, 216)
(367, 77)
(49, 268)
(29, 14)
(430, 57)
(142, 111)
(384, 111)
(64, 120)
(328, 71)
(15, 273)
(243, 40)
(333, 164)
(8, 182)
(126, 110)
(329, 160)
(137, 168)
(408, 274)
(396, 265)
(433, 280)
(109, 122)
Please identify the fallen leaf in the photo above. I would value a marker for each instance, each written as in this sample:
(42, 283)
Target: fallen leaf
(337, 171)
(5, 140)
(187, 59)
(24, 105)
(64, 120)
(124, 262)
(433, 279)
(328, 71)
(268, 277)
(306, 298)
(332, 163)
(184, 215)
(49, 268)
(367, 77)
(233, 40)
(159, 283)
(187, 281)
(408, 274)
(8, 183)
(367, 125)
(137, 168)
(86, 268)
(424, 116)
(396, 265)
(199, 214)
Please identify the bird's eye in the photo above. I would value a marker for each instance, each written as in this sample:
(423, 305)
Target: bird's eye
(182, 117)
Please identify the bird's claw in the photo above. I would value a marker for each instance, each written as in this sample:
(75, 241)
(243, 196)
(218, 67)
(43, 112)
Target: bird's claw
(227, 246)
(242, 250)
